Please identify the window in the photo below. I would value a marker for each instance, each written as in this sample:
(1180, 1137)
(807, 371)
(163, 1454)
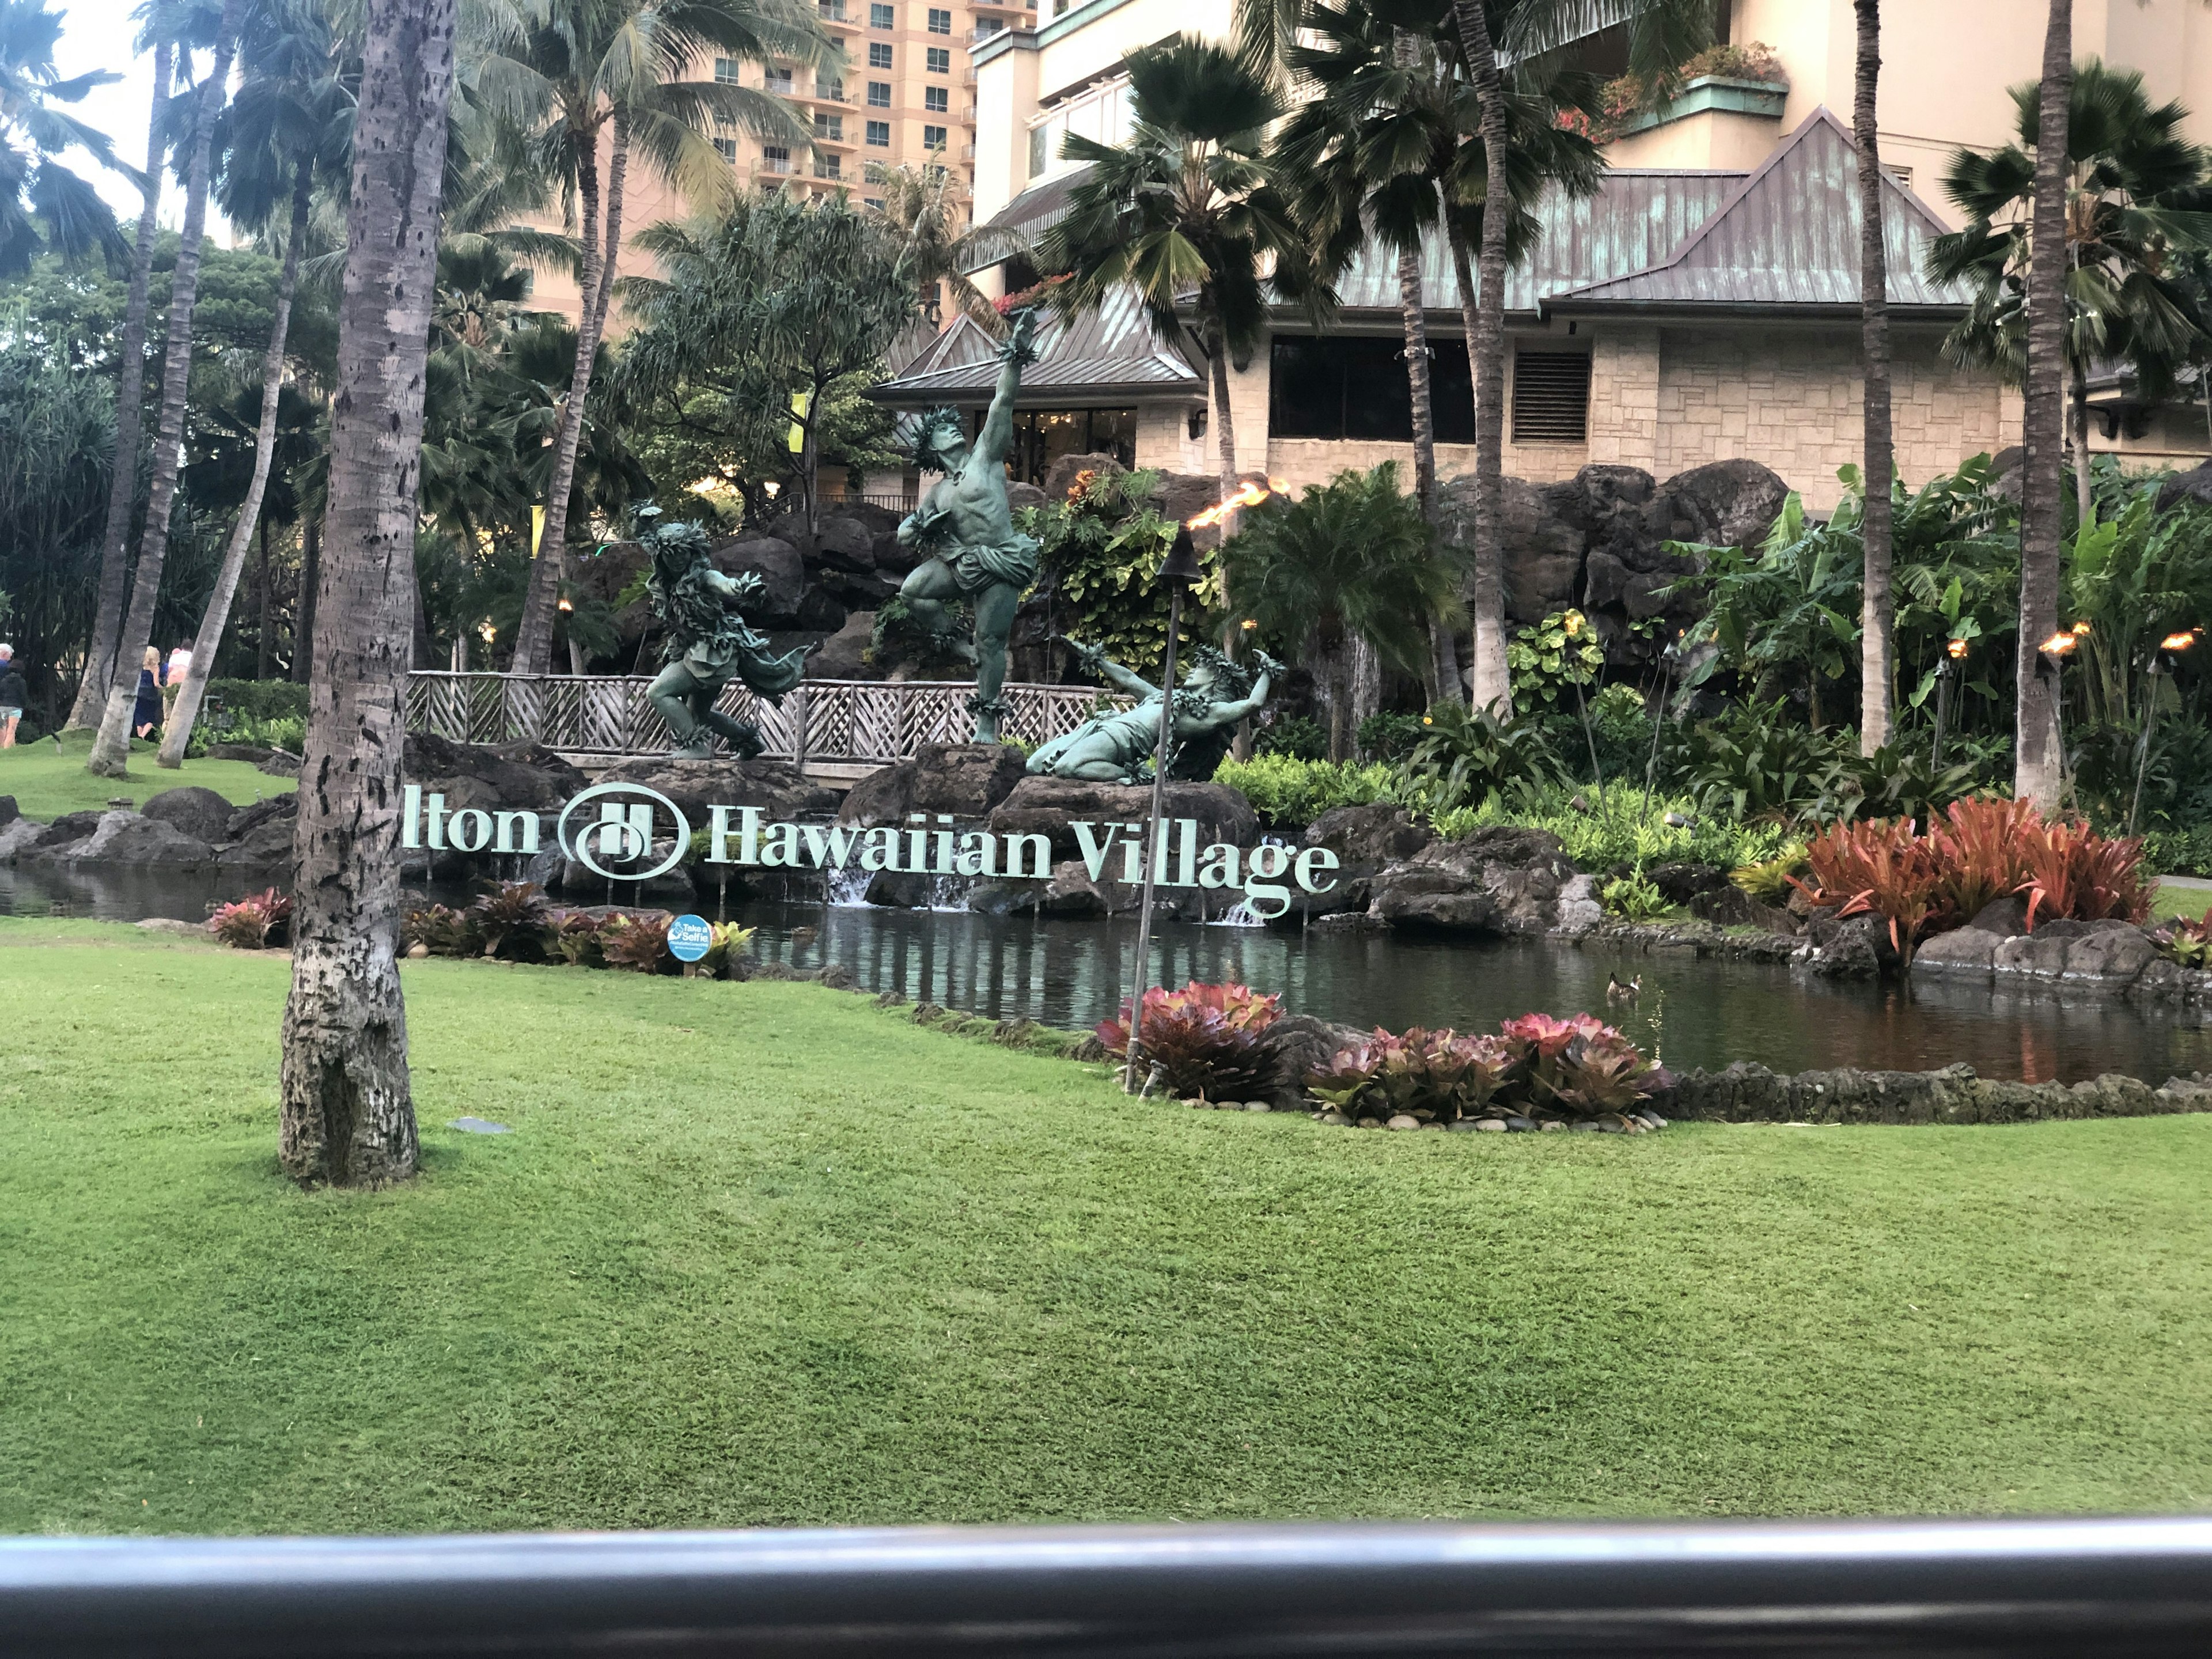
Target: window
(933, 137)
(935, 100)
(727, 149)
(875, 202)
(829, 126)
(940, 21)
(940, 60)
(1036, 151)
(726, 70)
(832, 90)
(777, 81)
(1351, 387)
(880, 54)
(828, 166)
(882, 17)
(775, 158)
(879, 134)
(832, 9)
(879, 94)
(1551, 396)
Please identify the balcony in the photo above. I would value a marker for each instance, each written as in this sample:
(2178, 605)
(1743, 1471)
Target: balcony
(983, 32)
(820, 94)
(836, 141)
(832, 15)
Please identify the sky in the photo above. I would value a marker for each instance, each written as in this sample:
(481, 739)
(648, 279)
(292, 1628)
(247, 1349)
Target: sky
(97, 34)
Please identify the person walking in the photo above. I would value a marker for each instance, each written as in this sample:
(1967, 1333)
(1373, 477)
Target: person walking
(146, 714)
(14, 695)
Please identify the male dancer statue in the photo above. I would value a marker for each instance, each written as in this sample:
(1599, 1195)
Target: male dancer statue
(967, 527)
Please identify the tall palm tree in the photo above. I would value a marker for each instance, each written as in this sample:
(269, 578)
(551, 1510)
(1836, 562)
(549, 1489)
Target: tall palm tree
(111, 748)
(938, 246)
(347, 1114)
(290, 125)
(578, 77)
(2133, 195)
(44, 206)
(1186, 207)
(2039, 760)
(1878, 606)
(129, 407)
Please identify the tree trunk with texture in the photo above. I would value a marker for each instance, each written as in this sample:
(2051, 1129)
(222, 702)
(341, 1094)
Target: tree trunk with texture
(111, 750)
(2038, 759)
(1878, 615)
(1442, 675)
(130, 421)
(533, 639)
(303, 612)
(1493, 688)
(186, 710)
(348, 1116)
(2085, 498)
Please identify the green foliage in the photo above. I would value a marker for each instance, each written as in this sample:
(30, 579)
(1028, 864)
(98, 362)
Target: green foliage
(1634, 896)
(1466, 759)
(1296, 737)
(1631, 831)
(2178, 852)
(1768, 881)
(260, 700)
(57, 443)
(1751, 763)
(1389, 736)
(1102, 549)
(1547, 662)
(1287, 790)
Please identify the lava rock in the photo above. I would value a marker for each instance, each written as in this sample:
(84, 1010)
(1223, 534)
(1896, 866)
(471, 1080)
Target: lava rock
(841, 656)
(782, 572)
(19, 837)
(124, 837)
(843, 544)
(280, 764)
(9, 811)
(1500, 880)
(1851, 947)
(266, 844)
(780, 791)
(244, 821)
(1729, 906)
(1730, 503)
(1049, 806)
(517, 776)
(1678, 884)
(250, 752)
(1364, 838)
(2192, 488)
(2106, 954)
(965, 779)
(68, 827)
(901, 889)
(2006, 917)
(200, 813)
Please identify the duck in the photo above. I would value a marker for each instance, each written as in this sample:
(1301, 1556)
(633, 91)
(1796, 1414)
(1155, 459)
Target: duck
(1620, 990)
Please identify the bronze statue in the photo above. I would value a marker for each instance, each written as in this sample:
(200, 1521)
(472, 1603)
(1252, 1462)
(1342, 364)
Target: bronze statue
(966, 525)
(1117, 747)
(708, 641)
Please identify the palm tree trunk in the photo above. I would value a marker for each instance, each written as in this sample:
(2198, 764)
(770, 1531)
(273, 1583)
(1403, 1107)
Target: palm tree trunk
(111, 750)
(216, 618)
(130, 419)
(348, 1117)
(533, 640)
(2085, 499)
(1878, 615)
(1493, 689)
(303, 614)
(2037, 755)
(1443, 662)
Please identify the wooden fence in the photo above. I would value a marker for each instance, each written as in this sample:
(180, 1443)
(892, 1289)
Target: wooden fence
(823, 722)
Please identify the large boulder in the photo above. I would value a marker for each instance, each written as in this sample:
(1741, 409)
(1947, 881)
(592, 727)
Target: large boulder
(780, 790)
(843, 544)
(68, 827)
(1059, 478)
(2192, 488)
(782, 572)
(247, 819)
(517, 776)
(2093, 955)
(18, 836)
(1543, 548)
(1500, 880)
(844, 654)
(9, 811)
(965, 779)
(1051, 806)
(1723, 503)
(1368, 837)
(130, 838)
(200, 813)
(265, 843)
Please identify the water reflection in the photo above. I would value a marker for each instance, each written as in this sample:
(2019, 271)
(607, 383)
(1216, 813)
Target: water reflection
(1073, 974)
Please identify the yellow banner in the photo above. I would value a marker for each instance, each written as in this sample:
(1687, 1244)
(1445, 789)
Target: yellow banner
(800, 400)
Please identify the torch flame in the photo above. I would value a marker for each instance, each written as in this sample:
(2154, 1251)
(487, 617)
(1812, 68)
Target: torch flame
(1957, 647)
(1249, 494)
(2060, 645)
(2176, 641)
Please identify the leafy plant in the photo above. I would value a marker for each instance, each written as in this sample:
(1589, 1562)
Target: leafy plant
(1881, 867)
(638, 943)
(1284, 791)
(1894, 782)
(1634, 896)
(1389, 735)
(1467, 759)
(726, 942)
(440, 930)
(253, 922)
(1205, 1038)
(1768, 880)
(2074, 872)
(1548, 660)
(509, 912)
(1754, 762)
(1536, 1064)
(1101, 549)
(1635, 829)
(574, 937)
(1295, 737)
(2186, 941)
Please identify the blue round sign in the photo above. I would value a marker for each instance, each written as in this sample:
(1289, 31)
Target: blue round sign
(689, 937)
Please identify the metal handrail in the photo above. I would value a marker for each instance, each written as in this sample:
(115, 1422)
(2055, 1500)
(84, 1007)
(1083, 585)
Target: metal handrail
(833, 721)
(2141, 1587)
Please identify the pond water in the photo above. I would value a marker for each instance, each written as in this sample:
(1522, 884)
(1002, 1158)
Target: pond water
(1070, 972)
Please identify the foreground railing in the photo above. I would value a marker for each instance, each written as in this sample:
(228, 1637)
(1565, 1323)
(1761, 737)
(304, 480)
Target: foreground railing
(824, 720)
(2136, 1587)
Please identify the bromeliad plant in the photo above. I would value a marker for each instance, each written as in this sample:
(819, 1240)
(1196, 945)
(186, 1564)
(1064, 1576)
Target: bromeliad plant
(1205, 1039)
(2189, 943)
(253, 922)
(1536, 1066)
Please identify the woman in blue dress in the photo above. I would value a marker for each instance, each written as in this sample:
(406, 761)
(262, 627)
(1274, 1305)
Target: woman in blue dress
(146, 714)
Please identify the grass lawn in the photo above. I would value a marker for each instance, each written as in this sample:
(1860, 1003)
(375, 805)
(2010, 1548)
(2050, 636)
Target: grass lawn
(763, 1252)
(47, 781)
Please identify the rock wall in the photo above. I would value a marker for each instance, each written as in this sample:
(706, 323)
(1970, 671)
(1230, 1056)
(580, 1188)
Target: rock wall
(1745, 1093)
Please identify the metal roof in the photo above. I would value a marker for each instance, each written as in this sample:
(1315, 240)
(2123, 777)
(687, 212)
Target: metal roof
(1112, 350)
(1024, 219)
(1789, 237)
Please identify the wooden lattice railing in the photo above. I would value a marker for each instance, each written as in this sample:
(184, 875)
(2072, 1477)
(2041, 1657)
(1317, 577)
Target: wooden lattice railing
(825, 720)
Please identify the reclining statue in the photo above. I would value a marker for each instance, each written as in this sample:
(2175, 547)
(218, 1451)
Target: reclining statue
(966, 527)
(708, 641)
(1214, 696)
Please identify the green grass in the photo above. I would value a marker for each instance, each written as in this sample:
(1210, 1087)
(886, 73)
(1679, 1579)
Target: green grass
(763, 1252)
(47, 781)
(2169, 900)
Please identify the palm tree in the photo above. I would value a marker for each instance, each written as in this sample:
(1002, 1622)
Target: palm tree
(1348, 568)
(2133, 189)
(290, 124)
(129, 412)
(937, 246)
(347, 1114)
(44, 206)
(575, 76)
(2038, 759)
(1187, 206)
(1878, 606)
(111, 749)
(1661, 35)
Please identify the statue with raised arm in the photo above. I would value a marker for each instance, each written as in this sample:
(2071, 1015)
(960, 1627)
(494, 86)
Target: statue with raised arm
(1215, 695)
(966, 527)
(708, 642)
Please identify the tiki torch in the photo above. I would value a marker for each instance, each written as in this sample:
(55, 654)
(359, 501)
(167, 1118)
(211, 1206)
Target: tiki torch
(1180, 572)
(2164, 660)
(1954, 651)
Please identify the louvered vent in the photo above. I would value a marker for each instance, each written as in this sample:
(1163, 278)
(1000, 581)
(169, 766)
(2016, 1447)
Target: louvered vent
(1551, 396)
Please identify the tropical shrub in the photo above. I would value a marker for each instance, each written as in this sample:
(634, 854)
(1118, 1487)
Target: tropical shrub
(1768, 880)
(1894, 782)
(1536, 1066)
(727, 942)
(253, 922)
(510, 914)
(1205, 1039)
(441, 931)
(1633, 896)
(1101, 549)
(573, 937)
(2178, 852)
(1752, 762)
(638, 943)
(1550, 659)
(1466, 758)
(1389, 735)
(2188, 942)
(1629, 828)
(1284, 791)
(2072, 871)
(1295, 737)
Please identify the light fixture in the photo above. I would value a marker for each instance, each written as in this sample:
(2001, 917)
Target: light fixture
(1180, 568)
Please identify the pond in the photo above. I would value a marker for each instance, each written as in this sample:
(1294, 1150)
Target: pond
(1072, 973)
